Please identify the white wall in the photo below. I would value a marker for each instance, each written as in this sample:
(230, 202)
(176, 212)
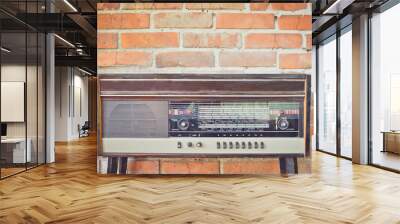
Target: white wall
(70, 83)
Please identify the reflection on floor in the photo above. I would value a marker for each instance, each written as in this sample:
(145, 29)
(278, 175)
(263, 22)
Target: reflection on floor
(10, 171)
(387, 159)
(70, 191)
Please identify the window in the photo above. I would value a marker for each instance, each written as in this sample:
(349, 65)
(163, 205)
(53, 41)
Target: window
(385, 89)
(327, 96)
(346, 93)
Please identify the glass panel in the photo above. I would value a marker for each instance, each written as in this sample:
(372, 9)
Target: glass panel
(31, 100)
(346, 94)
(13, 87)
(41, 98)
(327, 97)
(386, 89)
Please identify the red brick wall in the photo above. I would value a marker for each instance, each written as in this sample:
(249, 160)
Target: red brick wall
(204, 38)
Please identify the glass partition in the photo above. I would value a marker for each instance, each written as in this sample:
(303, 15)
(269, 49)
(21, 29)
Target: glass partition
(22, 78)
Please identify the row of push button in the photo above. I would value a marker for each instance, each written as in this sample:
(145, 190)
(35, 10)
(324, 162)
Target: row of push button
(240, 145)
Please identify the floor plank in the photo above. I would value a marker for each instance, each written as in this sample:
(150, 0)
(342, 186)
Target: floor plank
(70, 191)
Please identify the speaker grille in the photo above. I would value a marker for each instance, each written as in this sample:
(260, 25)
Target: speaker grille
(135, 119)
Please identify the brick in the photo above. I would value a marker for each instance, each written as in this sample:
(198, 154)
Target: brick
(107, 40)
(107, 6)
(185, 59)
(136, 58)
(143, 167)
(126, 58)
(150, 40)
(211, 40)
(291, 22)
(295, 61)
(252, 166)
(309, 41)
(123, 21)
(183, 20)
(304, 165)
(259, 6)
(247, 59)
(262, 40)
(157, 6)
(289, 6)
(215, 6)
(245, 21)
(106, 58)
(190, 166)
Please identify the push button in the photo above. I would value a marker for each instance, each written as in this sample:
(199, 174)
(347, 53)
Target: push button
(262, 145)
(224, 145)
(256, 145)
(199, 144)
(218, 145)
(190, 144)
(237, 145)
(231, 145)
(179, 145)
(243, 145)
(249, 145)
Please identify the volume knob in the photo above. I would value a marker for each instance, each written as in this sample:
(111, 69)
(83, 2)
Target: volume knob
(283, 123)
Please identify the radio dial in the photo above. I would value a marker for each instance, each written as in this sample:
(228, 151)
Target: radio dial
(183, 124)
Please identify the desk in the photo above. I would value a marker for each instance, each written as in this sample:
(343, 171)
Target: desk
(391, 141)
(13, 150)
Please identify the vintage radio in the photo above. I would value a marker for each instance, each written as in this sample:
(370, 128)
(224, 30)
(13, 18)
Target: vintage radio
(214, 115)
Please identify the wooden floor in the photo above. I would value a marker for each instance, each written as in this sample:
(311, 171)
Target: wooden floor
(70, 191)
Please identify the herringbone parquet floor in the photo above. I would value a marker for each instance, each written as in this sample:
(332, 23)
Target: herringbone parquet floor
(70, 191)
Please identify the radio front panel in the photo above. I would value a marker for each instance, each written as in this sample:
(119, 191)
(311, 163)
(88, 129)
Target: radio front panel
(204, 114)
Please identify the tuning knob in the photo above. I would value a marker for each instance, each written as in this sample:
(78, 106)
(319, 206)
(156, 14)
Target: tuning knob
(183, 124)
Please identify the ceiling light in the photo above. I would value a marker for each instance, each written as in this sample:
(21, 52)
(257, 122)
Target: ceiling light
(70, 5)
(5, 50)
(337, 7)
(64, 40)
(84, 71)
